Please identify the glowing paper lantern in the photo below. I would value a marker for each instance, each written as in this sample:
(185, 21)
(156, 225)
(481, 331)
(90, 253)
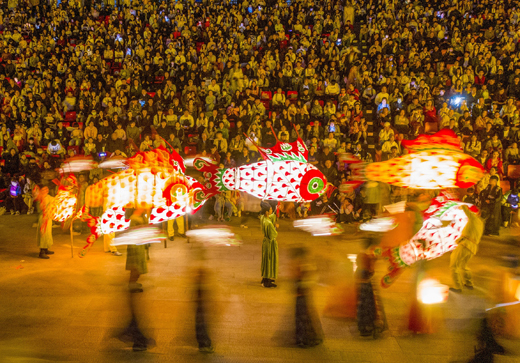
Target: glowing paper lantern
(153, 179)
(431, 291)
(447, 222)
(145, 187)
(113, 220)
(65, 206)
(433, 162)
(284, 175)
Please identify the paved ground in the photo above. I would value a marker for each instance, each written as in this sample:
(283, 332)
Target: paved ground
(69, 309)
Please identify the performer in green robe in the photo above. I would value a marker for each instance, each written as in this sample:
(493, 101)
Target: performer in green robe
(269, 266)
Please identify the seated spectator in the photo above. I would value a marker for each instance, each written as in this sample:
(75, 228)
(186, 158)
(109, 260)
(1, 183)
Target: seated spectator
(495, 161)
(278, 99)
(133, 132)
(114, 143)
(186, 120)
(316, 110)
(388, 145)
(163, 130)
(76, 135)
(511, 154)
(474, 146)
(221, 144)
(146, 144)
(229, 161)
(173, 143)
(330, 142)
(100, 143)
(401, 123)
(55, 148)
(12, 161)
(90, 147)
(385, 133)
(494, 144)
(382, 105)
(158, 142)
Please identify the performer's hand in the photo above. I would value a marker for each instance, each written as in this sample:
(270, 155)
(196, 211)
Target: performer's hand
(277, 225)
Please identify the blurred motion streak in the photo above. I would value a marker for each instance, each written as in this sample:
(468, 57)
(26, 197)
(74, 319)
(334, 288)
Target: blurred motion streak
(319, 226)
(139, 236)
(221, 236)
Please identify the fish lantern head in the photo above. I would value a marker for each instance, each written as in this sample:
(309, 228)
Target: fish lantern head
(313, 183)
(469, 173)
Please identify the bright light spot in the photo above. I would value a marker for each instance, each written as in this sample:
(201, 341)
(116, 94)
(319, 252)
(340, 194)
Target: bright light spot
(222, 236)
(431, 291)
(378, 225)
(318, 226)
(352, 258)
(139, 236)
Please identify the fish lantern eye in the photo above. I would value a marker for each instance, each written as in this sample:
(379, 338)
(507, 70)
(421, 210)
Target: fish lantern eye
(313, 183)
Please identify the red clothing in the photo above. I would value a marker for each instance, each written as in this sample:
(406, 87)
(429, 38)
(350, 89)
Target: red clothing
(355, 93)
(480, 80)
(491, 163)
(430, 115)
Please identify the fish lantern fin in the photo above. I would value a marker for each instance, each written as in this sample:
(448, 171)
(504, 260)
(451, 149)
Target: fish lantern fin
(176, 161)
(469, 173)
(159, 157)
(445, 139)
(212, 176)
(93, 224)
(395, 263)
(285, 151)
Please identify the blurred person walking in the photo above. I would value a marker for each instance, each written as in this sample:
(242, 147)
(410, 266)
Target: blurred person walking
(44, 236)
(371, 317)
(467, 248)
(202, 308)
(309, 332)
(136, 254)
(180, 227)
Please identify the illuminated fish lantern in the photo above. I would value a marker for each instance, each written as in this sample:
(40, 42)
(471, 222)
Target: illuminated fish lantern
(66, 200)
(153, 180)
(284, 175)
(446, 222)
(433, 162)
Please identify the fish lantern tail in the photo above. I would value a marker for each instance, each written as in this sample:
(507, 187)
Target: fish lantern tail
(95, 232)
(395, 264)
(213, 184)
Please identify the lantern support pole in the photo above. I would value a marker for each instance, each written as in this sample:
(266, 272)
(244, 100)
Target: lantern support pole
(72, 238)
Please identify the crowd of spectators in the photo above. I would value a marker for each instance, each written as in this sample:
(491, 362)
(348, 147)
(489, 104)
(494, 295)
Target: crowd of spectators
(107, 79)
